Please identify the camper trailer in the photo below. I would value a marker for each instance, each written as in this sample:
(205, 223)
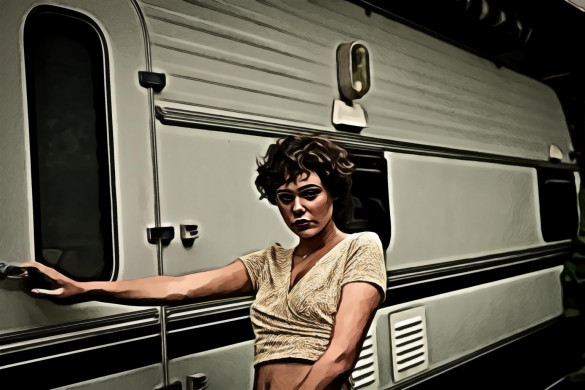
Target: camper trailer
(129, 135)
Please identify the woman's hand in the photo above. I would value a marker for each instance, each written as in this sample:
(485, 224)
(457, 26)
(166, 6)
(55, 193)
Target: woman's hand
(60, 285)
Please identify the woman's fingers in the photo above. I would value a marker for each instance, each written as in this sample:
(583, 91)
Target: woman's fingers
(31, 264)
(55, 292)
(55, 284)
(43, 269)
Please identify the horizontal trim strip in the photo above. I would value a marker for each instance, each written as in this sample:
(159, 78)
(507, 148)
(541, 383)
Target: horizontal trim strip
(60, 369)
(178, 313)
(20, 363)
(208, 324)
(240, 112)
(14, 356)
(402, 293)
(204, 337)
(74, 330)
(57, 338)
(187, 118)
(445, 269)
(207, 320)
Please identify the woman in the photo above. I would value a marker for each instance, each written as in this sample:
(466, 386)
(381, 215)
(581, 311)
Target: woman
(314, 303)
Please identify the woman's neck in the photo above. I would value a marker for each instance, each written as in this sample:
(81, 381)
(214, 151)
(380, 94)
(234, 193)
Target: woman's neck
(329, 234)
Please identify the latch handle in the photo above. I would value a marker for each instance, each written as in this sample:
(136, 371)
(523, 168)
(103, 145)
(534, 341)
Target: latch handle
(12, 271)
(156, 81)
(164, 234)
(35, 278)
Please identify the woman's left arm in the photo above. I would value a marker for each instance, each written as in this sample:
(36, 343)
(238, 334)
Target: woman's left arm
(357, 306)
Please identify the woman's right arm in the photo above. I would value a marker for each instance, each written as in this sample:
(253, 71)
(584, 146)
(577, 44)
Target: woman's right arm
(229, 281)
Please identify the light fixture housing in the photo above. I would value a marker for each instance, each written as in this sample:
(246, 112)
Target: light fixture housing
(353, 70)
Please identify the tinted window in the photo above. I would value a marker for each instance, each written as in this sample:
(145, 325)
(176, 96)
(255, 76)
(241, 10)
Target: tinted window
(558, 204)
(366, 207)
(69, 132)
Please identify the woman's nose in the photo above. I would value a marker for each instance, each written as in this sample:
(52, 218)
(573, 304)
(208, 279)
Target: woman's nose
(298, 205)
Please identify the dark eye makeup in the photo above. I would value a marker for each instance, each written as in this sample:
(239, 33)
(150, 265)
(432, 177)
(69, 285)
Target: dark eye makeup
(311, 193)
(286, 197)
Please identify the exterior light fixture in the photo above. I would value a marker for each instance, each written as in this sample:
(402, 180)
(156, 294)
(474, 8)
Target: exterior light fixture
(353, 70)
(353, 82)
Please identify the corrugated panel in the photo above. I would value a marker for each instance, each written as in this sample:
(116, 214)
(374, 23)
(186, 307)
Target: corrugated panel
(275, 61)
(220, 56)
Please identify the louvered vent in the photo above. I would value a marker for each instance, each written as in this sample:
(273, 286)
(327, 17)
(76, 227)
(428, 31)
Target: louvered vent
(408, 333)
(364, 373)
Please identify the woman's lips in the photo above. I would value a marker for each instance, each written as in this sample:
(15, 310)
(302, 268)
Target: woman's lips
(302, 223)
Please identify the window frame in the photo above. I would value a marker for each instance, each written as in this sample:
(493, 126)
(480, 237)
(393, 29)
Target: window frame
(106, 166)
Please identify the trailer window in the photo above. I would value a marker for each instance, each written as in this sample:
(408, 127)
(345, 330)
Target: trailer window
(366, 207)
(69, 131)
(558, 204)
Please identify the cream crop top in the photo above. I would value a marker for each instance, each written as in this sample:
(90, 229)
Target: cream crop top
(298, 324)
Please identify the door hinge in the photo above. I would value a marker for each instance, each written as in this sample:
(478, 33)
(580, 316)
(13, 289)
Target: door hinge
(164, 234)
(156, 81)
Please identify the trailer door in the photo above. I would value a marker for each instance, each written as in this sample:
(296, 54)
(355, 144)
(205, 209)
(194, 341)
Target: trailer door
(77, 192)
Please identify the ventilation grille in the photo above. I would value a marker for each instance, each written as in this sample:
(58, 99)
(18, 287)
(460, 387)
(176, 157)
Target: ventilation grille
(364, 373)
(408, 333)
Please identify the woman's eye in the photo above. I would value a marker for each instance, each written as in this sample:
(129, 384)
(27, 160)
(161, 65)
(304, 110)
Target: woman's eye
(311, 194)
(285, 198)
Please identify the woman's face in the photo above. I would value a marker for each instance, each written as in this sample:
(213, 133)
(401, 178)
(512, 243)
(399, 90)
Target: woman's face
(305, 205)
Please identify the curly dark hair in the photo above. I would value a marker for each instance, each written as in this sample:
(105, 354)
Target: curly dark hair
(297, 155)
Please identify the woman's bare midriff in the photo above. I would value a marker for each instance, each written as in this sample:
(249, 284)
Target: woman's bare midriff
(283, 375)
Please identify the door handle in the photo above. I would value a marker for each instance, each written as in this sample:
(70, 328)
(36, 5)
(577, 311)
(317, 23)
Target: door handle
(34, 276)
(12, 272)
(164, 234)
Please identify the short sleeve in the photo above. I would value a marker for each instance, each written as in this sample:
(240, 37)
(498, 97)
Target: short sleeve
(255, 263)
(365, 263)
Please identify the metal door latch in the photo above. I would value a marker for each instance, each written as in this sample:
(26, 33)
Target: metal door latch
(164, 234)
(189, 234)
(156, 81)
(197, 381)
